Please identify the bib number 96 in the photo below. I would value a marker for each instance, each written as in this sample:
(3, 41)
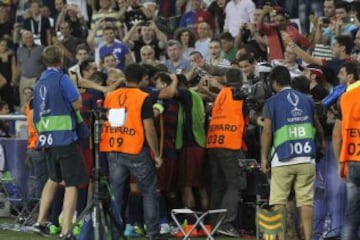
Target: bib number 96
(46, 139)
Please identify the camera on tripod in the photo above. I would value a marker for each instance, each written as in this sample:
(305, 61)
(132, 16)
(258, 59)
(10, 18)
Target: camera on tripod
(256, 90)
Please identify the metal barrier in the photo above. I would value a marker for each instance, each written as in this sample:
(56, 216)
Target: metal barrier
(13, 117)
(19, 126)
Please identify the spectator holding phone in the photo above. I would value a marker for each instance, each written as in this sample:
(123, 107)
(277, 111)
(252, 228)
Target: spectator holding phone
(145, 33)
(344, 22)
(132, 11)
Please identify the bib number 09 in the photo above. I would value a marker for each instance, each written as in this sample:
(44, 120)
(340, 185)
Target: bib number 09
(300, 148)
(116, 141)
(46, 139)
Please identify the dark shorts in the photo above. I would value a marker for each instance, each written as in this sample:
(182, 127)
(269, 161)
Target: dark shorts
(65, 163)
(191, 167)
(166, 176)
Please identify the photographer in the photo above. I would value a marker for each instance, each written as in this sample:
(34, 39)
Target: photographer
(255, 86)
(257, 89)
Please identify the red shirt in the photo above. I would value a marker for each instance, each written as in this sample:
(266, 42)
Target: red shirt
(274, 45)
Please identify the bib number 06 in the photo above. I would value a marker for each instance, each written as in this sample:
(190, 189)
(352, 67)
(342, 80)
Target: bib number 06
(300, 148)
(46, 139)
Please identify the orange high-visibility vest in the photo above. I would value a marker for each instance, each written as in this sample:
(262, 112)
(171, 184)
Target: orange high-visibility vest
(350, 126)
(32, 133)
(227, 122)
(130, 137)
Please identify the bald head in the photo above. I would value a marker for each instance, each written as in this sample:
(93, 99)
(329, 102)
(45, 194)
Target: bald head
(203, 30)
(27, 38)
(147, 54)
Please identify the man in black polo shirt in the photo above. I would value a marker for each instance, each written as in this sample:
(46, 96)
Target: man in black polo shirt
(149, 35)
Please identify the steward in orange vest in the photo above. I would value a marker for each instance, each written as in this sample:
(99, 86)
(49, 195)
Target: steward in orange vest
(37, 157)
(128, 138)
(350, 129)
(227, 122)
(128, 145)
(346, 145)
(32, 133)
(224, 141)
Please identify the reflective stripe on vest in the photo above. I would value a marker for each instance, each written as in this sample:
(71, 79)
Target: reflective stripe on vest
(54, 116)
(292, 113)
(293, 132)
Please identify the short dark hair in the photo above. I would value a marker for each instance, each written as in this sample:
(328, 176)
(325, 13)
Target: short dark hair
(84, 66)
(108, 55)
(163, 77)
(227, 36)
(344, 5)
(149, 70)
(98, 77)
(233, 76)
(196, 52)
(246, 57)
(346, 41)
(82, 46)
(301, 84)
(215, 40)
(281, 75)
(134, 73)
(351, 68)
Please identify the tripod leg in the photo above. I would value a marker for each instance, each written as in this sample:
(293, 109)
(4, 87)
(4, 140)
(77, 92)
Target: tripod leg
(102, 218)
(96, 223)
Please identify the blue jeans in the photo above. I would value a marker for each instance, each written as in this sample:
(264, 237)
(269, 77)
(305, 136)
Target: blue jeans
(41, 172)
(142, 168)
(352, 211)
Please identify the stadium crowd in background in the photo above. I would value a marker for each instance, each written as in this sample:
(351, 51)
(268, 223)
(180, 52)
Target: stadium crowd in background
(186, 59)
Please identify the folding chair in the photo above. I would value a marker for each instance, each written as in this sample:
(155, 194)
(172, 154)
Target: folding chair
(271, 223)
(18, 201)
(12, 192)
(32, 203)
(199, 216)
